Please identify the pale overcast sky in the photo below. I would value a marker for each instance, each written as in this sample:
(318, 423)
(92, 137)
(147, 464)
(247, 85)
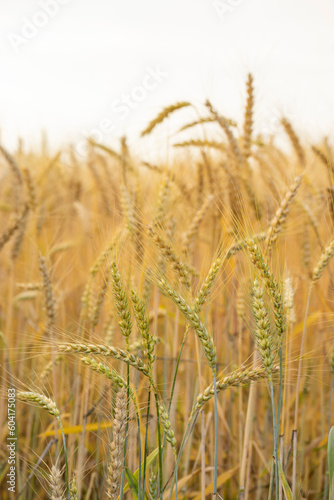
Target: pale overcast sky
(74, 66)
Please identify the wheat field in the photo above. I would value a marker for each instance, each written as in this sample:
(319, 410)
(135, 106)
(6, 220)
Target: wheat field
(167, 328)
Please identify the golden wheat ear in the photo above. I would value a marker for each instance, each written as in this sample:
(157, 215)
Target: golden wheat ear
(163, 115)
(56, 484)
(248, 121)
(115, 466)
(294, 141)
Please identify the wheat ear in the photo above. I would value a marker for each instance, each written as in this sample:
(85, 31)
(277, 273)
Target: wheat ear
(263, 336)
(50, 302)
(49, 367)
(294, 140)
(162, 115)
(121, 302)
(195, 223)
(167, 428)
(97, 307)
(13, 165)
(109, 373)
(235, 379)
(104, 350)
(95, 268)
(194, 320)
(323, 261)
(31, 188)
(153, 486)
(143, 325)
(41, 400)
(8, 233)
(181, 269)
(198, 143)
(56, 484)
(73, 490)
(271, 286)
(106, 149)
(275, 226)
(230, 137)
(248, 122)
(160, 210)
(117, 446)
(20, 235)
(207, 285)
(208, 119)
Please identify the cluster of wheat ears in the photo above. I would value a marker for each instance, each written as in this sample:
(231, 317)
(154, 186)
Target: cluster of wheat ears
(168, 328)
